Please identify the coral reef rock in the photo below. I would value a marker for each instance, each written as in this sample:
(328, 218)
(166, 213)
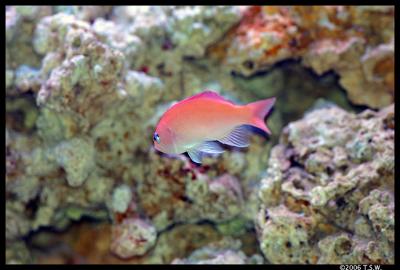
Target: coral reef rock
(325, 38)
(225, 251)
(133, 237)
(328, 193)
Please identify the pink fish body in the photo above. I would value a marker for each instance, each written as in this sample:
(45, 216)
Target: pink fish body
(199, 124)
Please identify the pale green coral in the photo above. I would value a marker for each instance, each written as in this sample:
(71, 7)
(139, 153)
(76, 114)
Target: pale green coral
(233, 227)
(192, 28)
(76, 156)
(121, 197)
(98, 187)
(54, 126)
(327, 179)
(17, 225)
(18, 253)
(285, 236)
(132, 238)
(379, 207)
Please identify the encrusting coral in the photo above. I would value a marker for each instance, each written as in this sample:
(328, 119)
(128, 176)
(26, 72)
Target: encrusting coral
(316, 208)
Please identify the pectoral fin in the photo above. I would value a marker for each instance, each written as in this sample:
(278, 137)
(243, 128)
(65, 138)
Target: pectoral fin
(195, 155)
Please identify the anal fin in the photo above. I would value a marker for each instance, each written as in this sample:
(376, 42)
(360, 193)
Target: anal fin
(238, 137)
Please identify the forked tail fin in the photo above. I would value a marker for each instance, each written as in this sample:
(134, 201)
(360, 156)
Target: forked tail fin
(259, 110)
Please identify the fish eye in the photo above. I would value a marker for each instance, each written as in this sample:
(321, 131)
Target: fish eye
(156, 137)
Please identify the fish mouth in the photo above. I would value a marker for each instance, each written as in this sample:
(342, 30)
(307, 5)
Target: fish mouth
(156, 147)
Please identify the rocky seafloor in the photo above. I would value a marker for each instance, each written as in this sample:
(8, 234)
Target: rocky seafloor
(85, 87)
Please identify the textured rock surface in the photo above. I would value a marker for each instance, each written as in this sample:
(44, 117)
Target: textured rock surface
(325, 39)
(216, 254)
(328, 193)
(133, 237)
(18, 253)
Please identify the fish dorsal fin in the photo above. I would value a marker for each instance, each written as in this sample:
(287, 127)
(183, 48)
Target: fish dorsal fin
(208, 94)
(238, 137)
(197, 152)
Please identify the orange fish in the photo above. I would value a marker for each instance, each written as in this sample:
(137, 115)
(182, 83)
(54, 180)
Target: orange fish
(199, 124)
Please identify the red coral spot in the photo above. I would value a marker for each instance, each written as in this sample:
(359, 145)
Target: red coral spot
(144, 69)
